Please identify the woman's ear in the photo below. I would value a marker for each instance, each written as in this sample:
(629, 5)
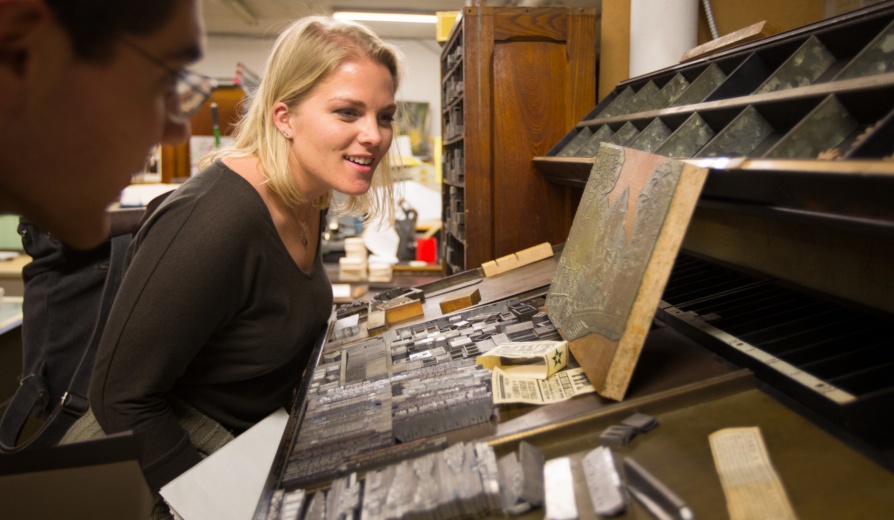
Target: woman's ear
(282, 118)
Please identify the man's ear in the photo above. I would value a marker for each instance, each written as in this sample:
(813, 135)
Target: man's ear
(21, 24)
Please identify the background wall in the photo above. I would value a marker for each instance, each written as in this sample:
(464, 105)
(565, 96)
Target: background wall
(422, 77)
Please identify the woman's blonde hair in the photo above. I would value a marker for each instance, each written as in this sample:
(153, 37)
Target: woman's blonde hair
(302, 56)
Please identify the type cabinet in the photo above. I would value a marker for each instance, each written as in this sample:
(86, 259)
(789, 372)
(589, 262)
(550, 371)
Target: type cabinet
(513, 81)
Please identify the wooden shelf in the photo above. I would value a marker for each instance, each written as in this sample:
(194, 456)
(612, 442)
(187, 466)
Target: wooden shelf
(510, 58)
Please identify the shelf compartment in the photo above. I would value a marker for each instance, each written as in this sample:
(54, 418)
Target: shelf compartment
(580, 138)
(589, 149)
(711, 78)
(802, 68)
(687, 139)
(875, 58)
(624, 135)
(740, 137)
(652, 136)
(669, 92)
(824, 128)
(618, 105)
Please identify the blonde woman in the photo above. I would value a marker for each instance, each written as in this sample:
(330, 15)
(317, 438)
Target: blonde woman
(226, 292)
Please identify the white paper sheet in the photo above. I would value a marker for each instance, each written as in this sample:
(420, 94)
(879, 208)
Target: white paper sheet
(228, 484)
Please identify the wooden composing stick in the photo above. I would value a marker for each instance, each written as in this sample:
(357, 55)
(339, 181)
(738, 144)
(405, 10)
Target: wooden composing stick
(460, 302)
(523, 257)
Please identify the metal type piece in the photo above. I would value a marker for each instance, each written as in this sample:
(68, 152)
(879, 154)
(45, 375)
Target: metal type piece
(875, 58)
(670, 92)
(617, 435)
(600, 136)
(740, 137)
(292, 504)
(343, 498)
(702, 86)
(688, 139)
(583, 135)
(399, 500)
(522, 311)
(641, 422)
(486, 462)
(624, 135)
(317, 508)
(375, 321)
(826, 126)
(511, 478)
(653, 494)
(604, 483)
(651, 137)
(531, 460)
(643, 99)
(618, 105)
(802, 68)
(559, 490)
(376, 485)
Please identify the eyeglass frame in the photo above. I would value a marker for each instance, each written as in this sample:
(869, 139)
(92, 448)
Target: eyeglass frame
(185, 80)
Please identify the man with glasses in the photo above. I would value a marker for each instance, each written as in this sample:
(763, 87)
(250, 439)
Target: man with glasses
(87, 87)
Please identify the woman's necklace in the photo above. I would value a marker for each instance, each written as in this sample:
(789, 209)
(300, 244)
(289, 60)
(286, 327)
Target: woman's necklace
(303, 232)
(302, 227)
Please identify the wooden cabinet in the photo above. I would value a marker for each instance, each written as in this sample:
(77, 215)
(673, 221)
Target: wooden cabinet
(176, 159)
(513, 81)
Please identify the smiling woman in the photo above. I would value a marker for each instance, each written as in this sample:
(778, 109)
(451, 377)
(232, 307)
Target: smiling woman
(233, 254)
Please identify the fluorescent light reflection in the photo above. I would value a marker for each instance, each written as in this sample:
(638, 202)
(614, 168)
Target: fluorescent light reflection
(385, 17)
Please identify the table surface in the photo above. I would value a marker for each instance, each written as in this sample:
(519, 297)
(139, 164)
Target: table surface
(10, 313)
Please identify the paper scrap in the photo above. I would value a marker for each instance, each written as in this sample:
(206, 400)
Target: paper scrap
(560, 387)
(535, 359)
(751, 485)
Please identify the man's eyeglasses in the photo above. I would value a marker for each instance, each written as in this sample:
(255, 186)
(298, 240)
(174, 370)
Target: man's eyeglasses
(190, 90)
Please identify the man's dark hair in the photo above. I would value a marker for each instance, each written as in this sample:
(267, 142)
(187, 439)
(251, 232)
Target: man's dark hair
(93, 24)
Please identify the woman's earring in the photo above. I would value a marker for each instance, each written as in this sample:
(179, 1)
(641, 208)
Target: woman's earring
(287, 134)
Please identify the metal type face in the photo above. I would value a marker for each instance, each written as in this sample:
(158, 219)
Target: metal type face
(653, 494)
(608, 248)
(740, 137)
(704, 84)
(404, 386)
(559, 490)
(802, 68)
(651, 137)
(876, 58)
(825, 127)
(624, 134)
(618, 105)
(688, 139)
(604, 483)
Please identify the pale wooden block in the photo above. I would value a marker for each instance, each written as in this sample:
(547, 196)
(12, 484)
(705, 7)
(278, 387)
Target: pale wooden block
(403, 312)
(519, 259)
(460, 302)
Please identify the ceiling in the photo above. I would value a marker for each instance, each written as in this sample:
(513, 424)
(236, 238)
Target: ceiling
(265, 18)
